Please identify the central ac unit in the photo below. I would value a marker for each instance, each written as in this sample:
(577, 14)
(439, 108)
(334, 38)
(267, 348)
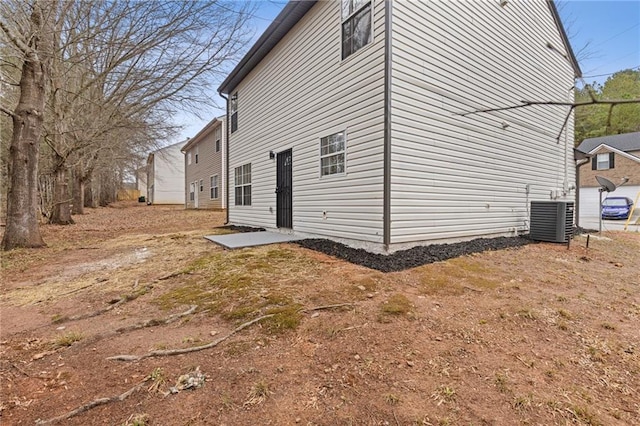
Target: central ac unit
(551, 221)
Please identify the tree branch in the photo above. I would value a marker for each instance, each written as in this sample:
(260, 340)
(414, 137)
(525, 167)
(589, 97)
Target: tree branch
(572, 105)
(7, 111)
(95, 403)
(22, 46)
(171, 352)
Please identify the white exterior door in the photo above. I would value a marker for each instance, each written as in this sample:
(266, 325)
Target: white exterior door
(195, 194)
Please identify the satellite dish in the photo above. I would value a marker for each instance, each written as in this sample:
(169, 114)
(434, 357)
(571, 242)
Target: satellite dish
(605, 184)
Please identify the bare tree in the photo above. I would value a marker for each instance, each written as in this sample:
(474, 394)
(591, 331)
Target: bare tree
(32, 40)
(116, 69)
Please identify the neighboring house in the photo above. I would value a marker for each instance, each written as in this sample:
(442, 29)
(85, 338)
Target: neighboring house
(346, 120)
(614, 157)
(165, 175)
(141, 181)
(204, 165)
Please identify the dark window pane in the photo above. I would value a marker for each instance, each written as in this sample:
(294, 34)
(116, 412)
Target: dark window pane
(356, 31)
(238, 196)
(346, 39)
(362, 29)
(346, 8)
(247, 195)
(234, 122)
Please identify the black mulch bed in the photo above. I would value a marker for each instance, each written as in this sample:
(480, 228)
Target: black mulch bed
(236, 228)
(416, 256)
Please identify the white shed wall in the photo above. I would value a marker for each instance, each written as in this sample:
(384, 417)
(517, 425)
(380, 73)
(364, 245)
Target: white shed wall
(457, 177)
(303, 91)
(168, 175)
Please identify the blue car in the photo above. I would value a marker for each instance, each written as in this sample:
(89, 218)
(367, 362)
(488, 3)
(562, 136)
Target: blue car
(616, 207)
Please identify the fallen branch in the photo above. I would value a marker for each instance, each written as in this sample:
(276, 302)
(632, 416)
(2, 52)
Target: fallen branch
(172, 275)
(95, 403)
(171, 352)
(122, 300)
(319, 308)
(20, 370)
(155, 322)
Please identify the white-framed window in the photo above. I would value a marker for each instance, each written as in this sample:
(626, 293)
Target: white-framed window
(356, 25)
(218, 137)
(214, 187)
(604, 161)
(189, 158)
(192, 191)
(332, 154)
(243, 185)
(233, 111)
(201, 185)
(196, 155)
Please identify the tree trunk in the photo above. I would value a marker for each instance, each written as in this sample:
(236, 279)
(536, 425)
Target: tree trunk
(22, 229)
(61, 214)
(78, 193)
(91, 195)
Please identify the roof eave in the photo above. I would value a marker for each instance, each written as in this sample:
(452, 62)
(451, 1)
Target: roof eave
(202, 133)
(563, 34)
(286, 19)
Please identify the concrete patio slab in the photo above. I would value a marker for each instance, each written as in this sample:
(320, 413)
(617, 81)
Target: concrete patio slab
(251, 239)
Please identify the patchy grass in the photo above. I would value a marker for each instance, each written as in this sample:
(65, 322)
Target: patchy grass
(258, 393)
(397, 304)
(67, 339)
(138, 420)
(241, 285)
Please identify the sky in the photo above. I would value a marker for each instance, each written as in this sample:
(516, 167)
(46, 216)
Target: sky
(604, 35)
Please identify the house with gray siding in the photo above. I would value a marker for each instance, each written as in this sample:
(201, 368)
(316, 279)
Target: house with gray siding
(348, 121)
(165, 175)
(204, 165)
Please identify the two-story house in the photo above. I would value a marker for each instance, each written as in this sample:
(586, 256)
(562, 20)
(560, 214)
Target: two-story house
(615, 157)
(204, 163)
(348, 120)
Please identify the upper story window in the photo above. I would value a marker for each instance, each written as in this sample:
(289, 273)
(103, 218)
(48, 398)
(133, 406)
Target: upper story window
(233, 111)
(196, 155)
(332, 154)
(356, 25)
(189, 158)
(603, 161)
(217, 135)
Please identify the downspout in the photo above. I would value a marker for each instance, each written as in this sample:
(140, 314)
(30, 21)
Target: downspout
(186, 184)
(226, 160)
(386, 207)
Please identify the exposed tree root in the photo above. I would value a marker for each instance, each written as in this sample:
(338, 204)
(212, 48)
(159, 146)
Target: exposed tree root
(319, 308)
(95, 403)
(171, 352)
(155, 322)
(127, 298)
(172, 275)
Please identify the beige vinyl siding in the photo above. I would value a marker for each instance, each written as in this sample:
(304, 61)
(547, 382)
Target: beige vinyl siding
(457, 176)
(303, 91)
(209, 164)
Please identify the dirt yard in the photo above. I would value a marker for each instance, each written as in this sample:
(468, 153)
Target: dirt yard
(536, 335)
